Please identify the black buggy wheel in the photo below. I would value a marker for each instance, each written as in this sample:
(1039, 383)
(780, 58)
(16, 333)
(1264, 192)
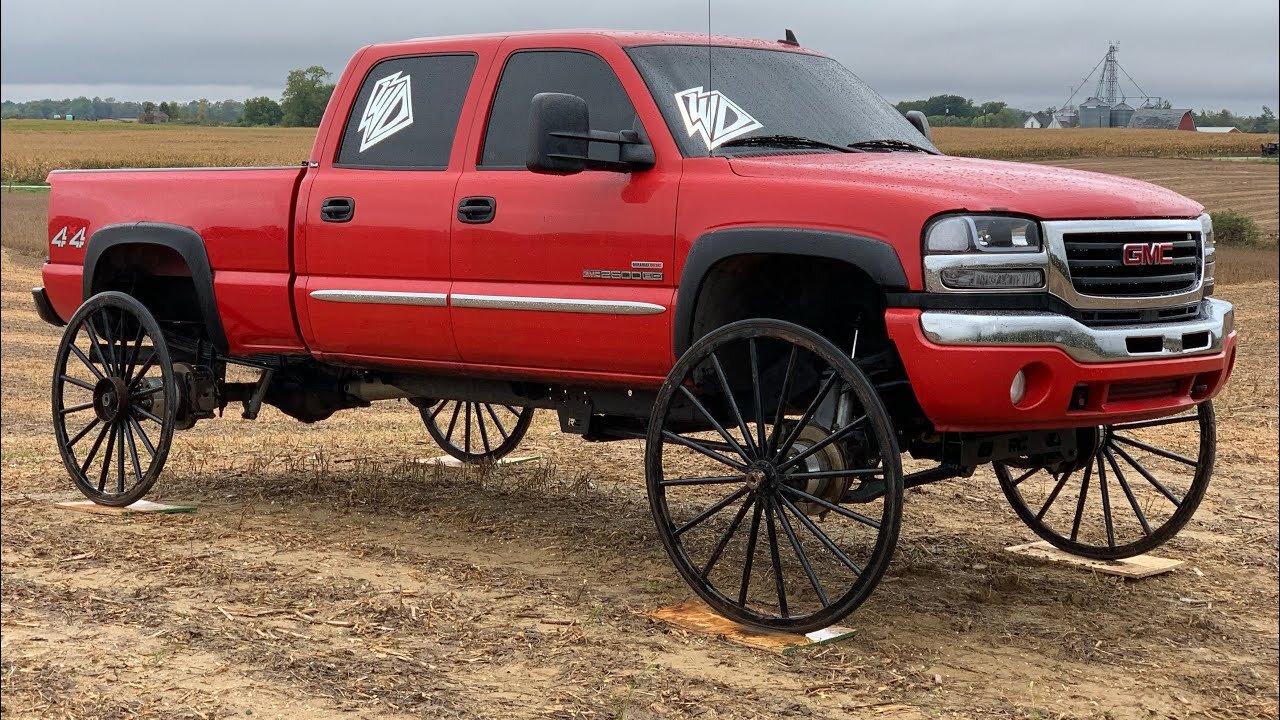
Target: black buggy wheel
(476, 432)
(114, 399)
(1134, 486)
(762, 436)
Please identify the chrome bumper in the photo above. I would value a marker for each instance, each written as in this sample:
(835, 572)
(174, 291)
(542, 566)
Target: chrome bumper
(1202, 336)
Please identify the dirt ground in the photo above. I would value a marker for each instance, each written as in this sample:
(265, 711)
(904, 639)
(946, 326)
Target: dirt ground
(328, 574)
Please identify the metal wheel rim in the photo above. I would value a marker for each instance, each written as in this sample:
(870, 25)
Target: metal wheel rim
(113, 343)
(792, 550)
(1132, 495)
(477, 432)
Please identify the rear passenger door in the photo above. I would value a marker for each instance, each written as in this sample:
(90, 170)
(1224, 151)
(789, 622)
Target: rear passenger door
(375, 271)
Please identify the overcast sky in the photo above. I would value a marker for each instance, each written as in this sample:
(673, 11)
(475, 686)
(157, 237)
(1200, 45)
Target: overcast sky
(1197, 54)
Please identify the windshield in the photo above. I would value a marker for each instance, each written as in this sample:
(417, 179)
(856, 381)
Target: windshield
(760, 93)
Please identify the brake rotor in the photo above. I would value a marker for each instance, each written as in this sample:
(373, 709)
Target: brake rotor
(828, 458)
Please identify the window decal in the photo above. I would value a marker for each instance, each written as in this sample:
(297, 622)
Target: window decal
(387, 111)
(713, 116)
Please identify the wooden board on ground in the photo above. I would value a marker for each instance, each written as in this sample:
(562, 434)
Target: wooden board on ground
(1134, 567)
(453, 462)
(695, 616)
(142, 506)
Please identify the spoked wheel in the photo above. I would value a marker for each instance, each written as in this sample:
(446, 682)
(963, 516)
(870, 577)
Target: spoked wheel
(759, 442)
(114, 399)
(1132, 489)
(476, 432)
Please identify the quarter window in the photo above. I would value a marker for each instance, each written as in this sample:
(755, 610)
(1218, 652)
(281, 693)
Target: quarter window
(406, 113)
(530, 72)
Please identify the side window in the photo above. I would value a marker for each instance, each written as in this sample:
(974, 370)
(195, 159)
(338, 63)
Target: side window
(530, 72)
(406, 113)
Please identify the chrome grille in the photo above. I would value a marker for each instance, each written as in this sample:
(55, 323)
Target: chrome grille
(1096, 264)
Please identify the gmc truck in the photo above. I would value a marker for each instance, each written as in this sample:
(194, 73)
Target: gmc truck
(731, 249)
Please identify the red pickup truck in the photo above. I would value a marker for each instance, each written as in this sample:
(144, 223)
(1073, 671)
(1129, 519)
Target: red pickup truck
(730, 248)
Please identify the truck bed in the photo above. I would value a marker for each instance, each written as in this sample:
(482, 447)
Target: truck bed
(244, 216)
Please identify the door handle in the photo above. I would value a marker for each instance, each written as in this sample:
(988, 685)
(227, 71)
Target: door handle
(478, 209)
(337, 209)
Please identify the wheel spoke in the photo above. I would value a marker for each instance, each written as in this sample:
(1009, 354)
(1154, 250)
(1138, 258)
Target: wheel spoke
(142, 371)
(484, 434)
(1154, 423)
(783, 398)
(75, 408)
(1177, 501)
(440, 406)
(142, 435)
(85, 431)
(755, 387)
(95, 347)
(84, 359)
(1128, 492)
(733, 405)
(133, 452)
(466, 431)
(700, 517)
(147, 414)
(751, 556)
(120, 458)
(1106, 501)
(801, 555)
(772, 532)
(832, 506)
(453, 420)
(145, 393)
(806, 417)
(106, 461)
(1025, 475)
(1084, 493)
(833, 437)
(76, 381)
(84, 467)
(1157, 451)
(726, 536)
(822, 537)
(497, 423)
(699, 447)
(137, 349)
(726, 480)
(716, 424)
(820, 474)
(1062, 482)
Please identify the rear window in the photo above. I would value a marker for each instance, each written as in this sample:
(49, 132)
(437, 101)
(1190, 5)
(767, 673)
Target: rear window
(406, 113)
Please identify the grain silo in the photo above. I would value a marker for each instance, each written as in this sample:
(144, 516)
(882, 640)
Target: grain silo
(1121, 114)
(1094, 113)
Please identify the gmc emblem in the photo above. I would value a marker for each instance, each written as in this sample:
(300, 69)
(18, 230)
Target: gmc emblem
(1148, 253)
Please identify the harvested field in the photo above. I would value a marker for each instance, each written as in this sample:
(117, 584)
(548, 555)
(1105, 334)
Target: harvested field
(1023, 144)
(329, 574)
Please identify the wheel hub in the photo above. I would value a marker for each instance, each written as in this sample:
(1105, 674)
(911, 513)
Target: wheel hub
(110, 399)
(762, 477)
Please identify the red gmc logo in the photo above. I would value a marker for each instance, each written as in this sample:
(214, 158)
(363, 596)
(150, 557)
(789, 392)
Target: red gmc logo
(1148, 253)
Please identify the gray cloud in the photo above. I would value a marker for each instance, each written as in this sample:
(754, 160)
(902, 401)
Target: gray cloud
(1027, 53)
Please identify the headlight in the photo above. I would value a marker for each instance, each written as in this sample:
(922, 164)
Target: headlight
(982, 234)
(1206, 234)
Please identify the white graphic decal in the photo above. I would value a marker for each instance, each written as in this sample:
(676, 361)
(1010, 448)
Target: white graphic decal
(388, 110)
(60, 239)
(713, 116)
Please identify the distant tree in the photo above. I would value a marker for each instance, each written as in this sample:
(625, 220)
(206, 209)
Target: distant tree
(1005, 117)
(943, 105)
(261, 111)
(164, 108)
(991, 108)
(306, 92)
(1264, 123)
(202, 111)
(148, 106)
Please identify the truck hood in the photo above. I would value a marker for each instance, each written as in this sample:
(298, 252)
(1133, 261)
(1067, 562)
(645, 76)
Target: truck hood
(954, 183)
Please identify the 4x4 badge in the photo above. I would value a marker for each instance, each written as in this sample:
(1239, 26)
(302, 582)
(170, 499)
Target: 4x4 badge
(713, 116)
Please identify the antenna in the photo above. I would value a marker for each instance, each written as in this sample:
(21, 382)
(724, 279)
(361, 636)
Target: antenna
(790, 39)
(708, 45)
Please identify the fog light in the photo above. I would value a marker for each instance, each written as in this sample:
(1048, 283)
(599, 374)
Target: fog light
(971, 278)
(1018, 388)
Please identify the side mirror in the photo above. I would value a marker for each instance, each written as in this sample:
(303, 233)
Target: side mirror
(921, 123)
(560, 136)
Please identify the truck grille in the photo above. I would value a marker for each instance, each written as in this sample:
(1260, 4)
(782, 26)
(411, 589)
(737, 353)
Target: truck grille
(1097, 263)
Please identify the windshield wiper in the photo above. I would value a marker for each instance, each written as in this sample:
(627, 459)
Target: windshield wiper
(785, 141)
(889, 145)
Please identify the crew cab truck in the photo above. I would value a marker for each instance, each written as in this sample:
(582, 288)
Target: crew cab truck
(732, 249)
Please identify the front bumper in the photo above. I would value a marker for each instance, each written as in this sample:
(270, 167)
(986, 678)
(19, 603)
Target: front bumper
(961, 364)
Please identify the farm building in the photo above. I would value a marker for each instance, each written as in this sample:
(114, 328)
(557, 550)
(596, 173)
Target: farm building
(1062, 120)
(1231, 129)
(1161, 119)
(1032, 123)
(1038, 120)
(1095, 113)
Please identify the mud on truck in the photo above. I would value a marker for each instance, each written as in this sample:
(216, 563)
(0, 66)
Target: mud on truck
(731, 249)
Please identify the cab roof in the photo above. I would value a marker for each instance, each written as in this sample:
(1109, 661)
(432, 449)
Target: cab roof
(623, 38)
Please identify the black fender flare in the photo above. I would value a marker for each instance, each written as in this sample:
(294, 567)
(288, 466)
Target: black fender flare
(874, 257)
(182, 240)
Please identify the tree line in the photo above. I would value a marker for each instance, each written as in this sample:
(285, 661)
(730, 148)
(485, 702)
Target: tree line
(957, 111)
(302, 104)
